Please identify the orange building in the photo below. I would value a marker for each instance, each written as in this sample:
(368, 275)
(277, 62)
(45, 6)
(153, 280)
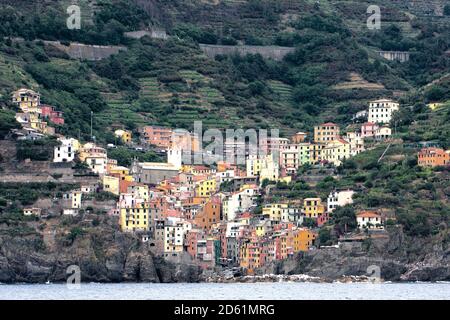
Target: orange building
(299, 137)
(158, 136)
(209, 215)
(326, 132)
(433, 157)
(303, 239)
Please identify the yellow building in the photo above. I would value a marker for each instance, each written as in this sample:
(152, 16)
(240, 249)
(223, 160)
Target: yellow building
(27, 100)
(205, 188)
(275, 211)
(134, 217)
(313, 207)
(260, 230)
(124, 135)
(315, 153)
(264, 167)
(303, 239)
(326, 132)
(139, 190)
(336, 151)
(111, 184)
(123, 172)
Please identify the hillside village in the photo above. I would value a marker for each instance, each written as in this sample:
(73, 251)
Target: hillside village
(218, 215)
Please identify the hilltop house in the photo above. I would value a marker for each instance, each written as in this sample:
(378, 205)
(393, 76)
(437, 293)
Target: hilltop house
(339, 199)
(66, 151)
(27, 100)
(369, 220)
(123, 135)
(381, 111)
(433, 157)
(95, 157)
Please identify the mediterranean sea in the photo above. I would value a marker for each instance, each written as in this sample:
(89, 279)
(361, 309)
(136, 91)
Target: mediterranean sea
(227, 291)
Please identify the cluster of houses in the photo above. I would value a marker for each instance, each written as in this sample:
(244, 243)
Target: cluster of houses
(186, 210)
(34, 116)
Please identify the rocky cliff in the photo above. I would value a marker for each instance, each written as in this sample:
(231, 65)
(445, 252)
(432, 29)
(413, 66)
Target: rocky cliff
(40, 251)
(398, 257)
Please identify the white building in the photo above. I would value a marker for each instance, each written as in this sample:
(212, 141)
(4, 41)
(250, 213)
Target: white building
(383, 133)
(174, 234)
(32, 211)
(369, 220)
(290, 158)
(381, 111)
(225, 176)
(339, 199)
(97, 163)
(175, 157)
(66, 151)
(356, 142)
(238, 202)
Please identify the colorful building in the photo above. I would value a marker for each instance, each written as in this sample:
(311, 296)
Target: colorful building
(124, 135)
(336, 151)
(276, 211)
(299, 137)
(433, 157)
(134, 213)
(27, 100)
(158, 136)
(209, 215)
(326, 132)
(313, 207)
(264, 167)
(205, 188)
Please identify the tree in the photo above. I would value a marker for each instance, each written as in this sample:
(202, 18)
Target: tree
(7, 122)
(325, 237)
(447, 10)
(344, 219)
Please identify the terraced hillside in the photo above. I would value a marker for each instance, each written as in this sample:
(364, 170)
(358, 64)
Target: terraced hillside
(332, 73)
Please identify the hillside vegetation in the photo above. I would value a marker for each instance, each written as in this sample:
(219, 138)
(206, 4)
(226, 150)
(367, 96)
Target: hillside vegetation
(173, 83)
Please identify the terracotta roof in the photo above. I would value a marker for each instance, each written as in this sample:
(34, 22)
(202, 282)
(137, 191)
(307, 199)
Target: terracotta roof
(368, 214)
(342, 141)
(328, 124)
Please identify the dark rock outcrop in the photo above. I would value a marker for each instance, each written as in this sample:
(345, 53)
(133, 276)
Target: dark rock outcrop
(398, 258)
(102, 253)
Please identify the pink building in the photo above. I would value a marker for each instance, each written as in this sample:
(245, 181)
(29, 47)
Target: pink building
(49, 112)
(369, 129)
(322, 219)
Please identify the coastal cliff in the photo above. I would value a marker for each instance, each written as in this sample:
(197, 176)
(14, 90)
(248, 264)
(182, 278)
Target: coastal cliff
(37, 252)
(106, 255)
(399, 258)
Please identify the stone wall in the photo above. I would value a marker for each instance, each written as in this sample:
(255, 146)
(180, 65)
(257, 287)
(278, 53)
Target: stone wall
(86, 52)
(268, 52)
